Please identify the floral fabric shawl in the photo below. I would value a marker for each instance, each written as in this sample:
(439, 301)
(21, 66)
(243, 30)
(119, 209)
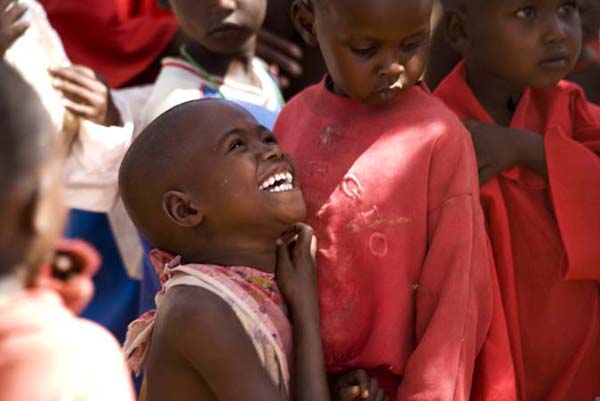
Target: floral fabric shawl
(253, 296)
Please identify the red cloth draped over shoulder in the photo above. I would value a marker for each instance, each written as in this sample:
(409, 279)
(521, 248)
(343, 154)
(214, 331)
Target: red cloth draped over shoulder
(119, 39)
(545, 238)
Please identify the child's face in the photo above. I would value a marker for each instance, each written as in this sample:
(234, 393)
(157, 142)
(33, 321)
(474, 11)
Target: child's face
(528, 43)
(222, 26)
(247, 184)
(373, 49)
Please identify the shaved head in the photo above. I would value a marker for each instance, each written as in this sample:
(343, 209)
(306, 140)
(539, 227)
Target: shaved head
(163, 158)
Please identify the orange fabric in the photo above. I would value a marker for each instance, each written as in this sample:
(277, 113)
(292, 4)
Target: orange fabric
(119, 39)
(545, 236)
(404, 276)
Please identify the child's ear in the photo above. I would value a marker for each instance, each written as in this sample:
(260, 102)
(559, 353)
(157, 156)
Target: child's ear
(457, 34)
(303, 17)
(181, 209)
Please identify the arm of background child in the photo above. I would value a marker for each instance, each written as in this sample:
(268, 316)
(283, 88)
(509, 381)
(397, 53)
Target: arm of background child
(10, 26)
(92, 167)
(212, 341)
(454, 296)
(574, 177)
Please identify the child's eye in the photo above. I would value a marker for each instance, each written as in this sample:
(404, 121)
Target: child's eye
(568, 8)
(366, 51)
(414, 45)
(236, 144)
(526, 12)
(270, 139)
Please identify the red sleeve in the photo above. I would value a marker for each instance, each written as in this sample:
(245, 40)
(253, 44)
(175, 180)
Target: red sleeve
(574, 177)
(455, 295)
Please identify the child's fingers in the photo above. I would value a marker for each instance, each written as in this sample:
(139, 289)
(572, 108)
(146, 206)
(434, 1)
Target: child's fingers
(304, 240)
(380, 395)
(76, 92)
(284, 62)
(80, 110)
(283, 257)
(81, 76)
(349, 393)
(373, 388)
(14, 13)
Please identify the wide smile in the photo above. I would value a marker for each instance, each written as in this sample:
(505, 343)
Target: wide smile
(282, 181)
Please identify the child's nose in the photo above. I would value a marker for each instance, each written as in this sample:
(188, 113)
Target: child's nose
(392, 68)
(227, 5)
(270, 151)
(556, 30)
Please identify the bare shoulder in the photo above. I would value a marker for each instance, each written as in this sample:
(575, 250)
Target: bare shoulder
(198, 346)
(192, 317)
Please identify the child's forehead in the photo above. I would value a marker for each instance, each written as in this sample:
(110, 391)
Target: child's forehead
(365, 16)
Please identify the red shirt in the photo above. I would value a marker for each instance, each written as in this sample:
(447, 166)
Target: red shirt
(119, 39)
(404, 279)
(545, 236)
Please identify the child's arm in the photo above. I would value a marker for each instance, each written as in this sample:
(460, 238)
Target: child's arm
(297, 280)
(498, 148)
(86, 95)
(11, 28)
(454, 298)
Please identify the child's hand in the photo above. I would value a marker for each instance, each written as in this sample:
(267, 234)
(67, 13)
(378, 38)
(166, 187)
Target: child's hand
(11, 28)
(283, 56)
(357, 385)
(86, 95)
(296, 273)
(496, 148)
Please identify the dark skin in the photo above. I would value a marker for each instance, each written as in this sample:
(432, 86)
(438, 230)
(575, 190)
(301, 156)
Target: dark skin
(535, 45)
(225, 218)
(373, 50)
(222, 34)
(86, 95)
(11, 27)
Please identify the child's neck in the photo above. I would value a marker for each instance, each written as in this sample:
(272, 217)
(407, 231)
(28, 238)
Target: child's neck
(498, 96)
(235, 66)
(255, 254)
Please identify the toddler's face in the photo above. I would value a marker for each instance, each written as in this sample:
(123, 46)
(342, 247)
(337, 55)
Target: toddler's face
(222, 26)
(534, 43)
(373, 49)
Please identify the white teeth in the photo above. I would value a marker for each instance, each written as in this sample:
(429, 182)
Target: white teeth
(285, 182)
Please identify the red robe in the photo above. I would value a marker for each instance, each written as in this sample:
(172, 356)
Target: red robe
(119, 39)
(546, 240)
(404, 278)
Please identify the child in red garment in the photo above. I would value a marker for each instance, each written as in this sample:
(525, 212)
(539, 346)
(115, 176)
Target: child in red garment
(537, 141)
(390, 184)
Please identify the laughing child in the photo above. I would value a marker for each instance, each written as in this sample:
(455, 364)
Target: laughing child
(537, 142)
(390, 184)
(216, 208)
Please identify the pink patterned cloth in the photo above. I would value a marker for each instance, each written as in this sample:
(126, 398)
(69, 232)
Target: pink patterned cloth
(253, 296)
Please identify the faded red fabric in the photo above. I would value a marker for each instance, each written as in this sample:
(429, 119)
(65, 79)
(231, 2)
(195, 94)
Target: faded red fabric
(119, 39)
(404, 279)
(48, 354)
(545, 239)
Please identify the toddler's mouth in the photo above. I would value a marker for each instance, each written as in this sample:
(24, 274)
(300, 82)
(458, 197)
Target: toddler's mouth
(278, 182)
